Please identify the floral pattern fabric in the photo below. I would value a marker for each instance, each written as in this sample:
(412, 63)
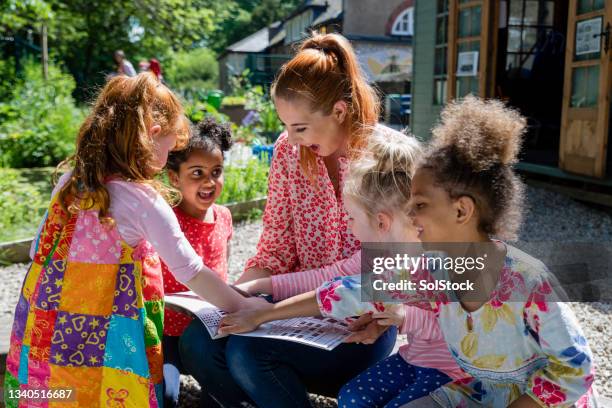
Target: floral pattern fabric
(305, 224)
(89, 317)
(521, 341)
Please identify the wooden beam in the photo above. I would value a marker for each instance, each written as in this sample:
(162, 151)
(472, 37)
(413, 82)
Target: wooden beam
(452, 50)
(44, 51)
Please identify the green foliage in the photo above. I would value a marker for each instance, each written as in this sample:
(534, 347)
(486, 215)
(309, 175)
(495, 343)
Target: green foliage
(233, 100)
(268, 121)
(39, 122)
(190, 71)
(243, 183)
(24, 197)
(16, 14)
(8, 78)
(196, 111)
(237, 19)
(84, 34)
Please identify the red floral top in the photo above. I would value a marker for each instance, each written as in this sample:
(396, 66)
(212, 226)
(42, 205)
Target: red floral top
(304, 227)
(210, 241)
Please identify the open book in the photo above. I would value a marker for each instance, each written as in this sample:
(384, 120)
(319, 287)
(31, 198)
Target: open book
(318, 332)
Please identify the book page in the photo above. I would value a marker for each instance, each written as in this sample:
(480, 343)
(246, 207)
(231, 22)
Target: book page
(321, 332)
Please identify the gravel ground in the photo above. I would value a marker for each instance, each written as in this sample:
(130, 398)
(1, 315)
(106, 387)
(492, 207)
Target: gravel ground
(550, 216)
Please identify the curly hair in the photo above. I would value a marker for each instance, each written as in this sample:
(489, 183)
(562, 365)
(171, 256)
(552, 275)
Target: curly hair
(113, 141)
(207, 135)
(472, 152)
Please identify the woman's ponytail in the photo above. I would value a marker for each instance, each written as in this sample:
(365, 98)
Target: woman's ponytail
(325, 71)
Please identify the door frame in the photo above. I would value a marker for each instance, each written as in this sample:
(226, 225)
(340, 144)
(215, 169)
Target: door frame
(487, 57)
(567, 160)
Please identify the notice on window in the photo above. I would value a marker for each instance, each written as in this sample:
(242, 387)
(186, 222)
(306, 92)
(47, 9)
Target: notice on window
(467, 64)
(588, 36)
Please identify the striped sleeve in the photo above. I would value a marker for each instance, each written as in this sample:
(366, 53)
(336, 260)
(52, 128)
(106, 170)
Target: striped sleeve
(287, 285)
(421, 323)
(426, 346)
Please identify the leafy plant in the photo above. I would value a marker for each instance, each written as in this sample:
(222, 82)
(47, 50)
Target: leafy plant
(233, 100)
(192, 72)
(196, 111)
(24, 196)
(40, 120)
(266, 123)
(244, 183)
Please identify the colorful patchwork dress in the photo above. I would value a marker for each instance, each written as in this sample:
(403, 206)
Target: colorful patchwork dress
(89, 318)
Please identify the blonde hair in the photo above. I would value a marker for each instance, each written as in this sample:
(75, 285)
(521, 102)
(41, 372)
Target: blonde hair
(113, 140)
(324, 71)
(381, 179)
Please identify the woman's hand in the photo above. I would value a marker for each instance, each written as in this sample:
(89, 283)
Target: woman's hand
(257, 286)
(243, 321)
(365, 330)
(393, 316)
(252, 274)
(255, 303)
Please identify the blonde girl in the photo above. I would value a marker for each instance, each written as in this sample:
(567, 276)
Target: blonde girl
(377, 191)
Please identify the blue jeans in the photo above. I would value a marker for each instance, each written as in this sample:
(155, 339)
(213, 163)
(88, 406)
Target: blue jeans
(390, 383)
(273, 373)
(172, 371)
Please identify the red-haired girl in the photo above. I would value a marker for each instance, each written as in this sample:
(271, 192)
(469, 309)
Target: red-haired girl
(90, 316)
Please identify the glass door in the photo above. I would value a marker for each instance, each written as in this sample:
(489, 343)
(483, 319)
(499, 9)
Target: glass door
(470, 47)
(587, 87)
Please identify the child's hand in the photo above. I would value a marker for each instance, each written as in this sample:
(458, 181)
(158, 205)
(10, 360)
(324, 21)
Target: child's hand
(365, 330)
(393, 316)
(240, 322)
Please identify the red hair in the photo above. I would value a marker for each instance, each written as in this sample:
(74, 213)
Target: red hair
(113, 140)
(325, 71)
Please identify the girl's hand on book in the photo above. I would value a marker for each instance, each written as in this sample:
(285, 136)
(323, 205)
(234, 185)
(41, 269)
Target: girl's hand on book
(243, 321)
(394, 315)
(365, 330)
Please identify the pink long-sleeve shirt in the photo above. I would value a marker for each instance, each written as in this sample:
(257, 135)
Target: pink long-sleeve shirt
(141, 213)
(426, 345)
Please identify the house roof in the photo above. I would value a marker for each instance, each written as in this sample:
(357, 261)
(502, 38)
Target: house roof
(332, 12)
(308, 4)
(277, 33)
(256, 42)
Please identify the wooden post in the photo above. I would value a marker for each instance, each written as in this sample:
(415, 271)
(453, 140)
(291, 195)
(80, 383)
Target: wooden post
(43, 51)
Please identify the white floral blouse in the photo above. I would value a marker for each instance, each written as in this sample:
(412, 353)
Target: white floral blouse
(519, 342)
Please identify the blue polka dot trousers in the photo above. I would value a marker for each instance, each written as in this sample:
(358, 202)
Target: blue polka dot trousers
(390, 383)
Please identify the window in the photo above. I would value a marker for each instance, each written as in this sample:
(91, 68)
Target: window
(403, 24)
(440, 53)
(530, 24)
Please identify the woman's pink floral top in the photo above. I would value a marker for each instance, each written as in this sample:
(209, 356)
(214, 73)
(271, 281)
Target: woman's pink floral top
(521, 341)
(305, 225)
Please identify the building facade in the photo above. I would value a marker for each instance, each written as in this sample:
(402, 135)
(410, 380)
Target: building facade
(380, 31)
(550, 59)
